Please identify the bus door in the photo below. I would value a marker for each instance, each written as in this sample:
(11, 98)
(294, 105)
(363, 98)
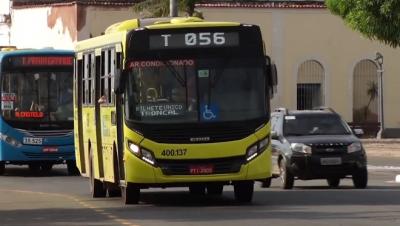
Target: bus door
(78, 128)
(90, 143)
(107, 111)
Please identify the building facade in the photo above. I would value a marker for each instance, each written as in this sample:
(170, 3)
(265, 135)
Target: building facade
(321, 62)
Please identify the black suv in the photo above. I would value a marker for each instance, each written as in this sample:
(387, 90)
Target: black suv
(316, 144)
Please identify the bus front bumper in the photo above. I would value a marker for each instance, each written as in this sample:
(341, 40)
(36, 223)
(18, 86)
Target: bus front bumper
(139, 172)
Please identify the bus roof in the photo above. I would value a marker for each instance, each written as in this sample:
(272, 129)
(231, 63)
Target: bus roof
(117, 32)
(22, 52)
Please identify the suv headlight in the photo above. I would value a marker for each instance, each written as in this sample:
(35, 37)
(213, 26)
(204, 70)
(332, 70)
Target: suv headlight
(257, 148)
(10, 140)
(301, 148)
(354, 147)
(142, 153)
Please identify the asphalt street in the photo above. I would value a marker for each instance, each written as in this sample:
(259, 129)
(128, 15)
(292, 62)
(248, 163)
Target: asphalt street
(58, 199)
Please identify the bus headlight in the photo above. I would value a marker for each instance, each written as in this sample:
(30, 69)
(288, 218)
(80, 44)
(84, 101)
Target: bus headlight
(10, 140)
(141, 153)
(354, 147)
(257, 148)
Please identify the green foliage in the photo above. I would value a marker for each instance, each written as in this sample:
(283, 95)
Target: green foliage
(376, 19)
(160, 8)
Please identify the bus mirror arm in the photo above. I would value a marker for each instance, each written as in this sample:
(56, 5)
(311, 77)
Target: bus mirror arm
(119, 81)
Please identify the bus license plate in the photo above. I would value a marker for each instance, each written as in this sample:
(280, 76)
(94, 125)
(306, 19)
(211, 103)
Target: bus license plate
(331, 161)
(201, 169)
(33, 140)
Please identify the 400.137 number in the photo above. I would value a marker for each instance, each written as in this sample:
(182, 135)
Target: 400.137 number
(174, 152)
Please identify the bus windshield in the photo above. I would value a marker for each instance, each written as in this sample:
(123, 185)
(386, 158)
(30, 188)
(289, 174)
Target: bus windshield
(37, 96)
(196, 90)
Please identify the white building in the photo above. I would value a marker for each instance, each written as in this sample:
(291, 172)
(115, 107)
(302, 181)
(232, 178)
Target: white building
(5, 22)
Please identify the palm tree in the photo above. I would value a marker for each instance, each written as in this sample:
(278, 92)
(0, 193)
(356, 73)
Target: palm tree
(160, 8)
(372, 92)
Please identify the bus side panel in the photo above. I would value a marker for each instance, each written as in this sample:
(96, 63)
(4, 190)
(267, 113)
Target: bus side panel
(108, 134)
(89, 138)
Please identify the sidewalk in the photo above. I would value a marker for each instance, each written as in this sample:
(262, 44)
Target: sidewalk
(382, 147)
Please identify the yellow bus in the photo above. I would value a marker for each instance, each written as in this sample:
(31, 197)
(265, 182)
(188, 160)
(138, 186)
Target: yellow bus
(166, 102)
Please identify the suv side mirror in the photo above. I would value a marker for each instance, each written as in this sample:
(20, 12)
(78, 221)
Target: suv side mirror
(274, 135)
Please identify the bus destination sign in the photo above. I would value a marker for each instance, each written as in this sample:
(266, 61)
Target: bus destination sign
(193, 40)
(44, 61)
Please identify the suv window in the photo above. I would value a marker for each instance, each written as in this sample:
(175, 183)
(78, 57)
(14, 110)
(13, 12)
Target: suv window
(314, 124)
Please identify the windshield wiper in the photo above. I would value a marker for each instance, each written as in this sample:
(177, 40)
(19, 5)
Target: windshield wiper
(173, 70)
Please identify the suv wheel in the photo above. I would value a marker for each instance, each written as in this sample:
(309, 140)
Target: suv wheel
(287, 178)
(360, 178)
(333, 182)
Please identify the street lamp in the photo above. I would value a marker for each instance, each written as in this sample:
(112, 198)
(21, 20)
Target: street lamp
(379, 62)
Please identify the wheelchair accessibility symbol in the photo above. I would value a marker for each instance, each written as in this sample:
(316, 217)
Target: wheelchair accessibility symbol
(209, 112)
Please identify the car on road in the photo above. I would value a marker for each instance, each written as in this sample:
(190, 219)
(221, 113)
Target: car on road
(316, 144)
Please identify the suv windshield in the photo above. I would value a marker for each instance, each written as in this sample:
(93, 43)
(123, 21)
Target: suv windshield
(314, 124)
(192, 90)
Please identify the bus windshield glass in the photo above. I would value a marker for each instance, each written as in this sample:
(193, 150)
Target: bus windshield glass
(196, 90)
(37, 96)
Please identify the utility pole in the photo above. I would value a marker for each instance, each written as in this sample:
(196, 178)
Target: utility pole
(173, 8)
(379, 61)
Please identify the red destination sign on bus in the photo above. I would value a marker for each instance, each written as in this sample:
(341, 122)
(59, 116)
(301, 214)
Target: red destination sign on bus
(29, 114)
(47, 60)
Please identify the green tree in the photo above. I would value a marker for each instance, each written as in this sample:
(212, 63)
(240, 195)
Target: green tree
(160, 8)
(375, 19)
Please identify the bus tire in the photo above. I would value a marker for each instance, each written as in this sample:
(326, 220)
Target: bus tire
(197, 189)
(34, 167)
(96, 186)
(72, 169)
(215, 189)
(130, 194)
(2, 167)
(266, 183)
(46, 167)
(243, 191)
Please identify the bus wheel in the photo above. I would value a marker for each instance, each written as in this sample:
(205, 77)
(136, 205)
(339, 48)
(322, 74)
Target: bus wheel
(243, 191)
(215, 189)
(97, 188)
(197, 189)
(72, 169)
(46, 167)
(266, 183)
(130, 193)
(2, 167)
(34, 167)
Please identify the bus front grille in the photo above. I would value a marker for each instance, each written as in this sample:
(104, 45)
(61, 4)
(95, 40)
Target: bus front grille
(46, 133)
(219, 166)
(55, 155)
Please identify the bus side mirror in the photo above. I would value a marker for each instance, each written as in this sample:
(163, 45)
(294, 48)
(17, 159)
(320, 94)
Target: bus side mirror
(272, 76)
(274, 79)
(119, 81)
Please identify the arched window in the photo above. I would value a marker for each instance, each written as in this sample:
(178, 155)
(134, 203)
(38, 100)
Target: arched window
(365, 92)
(310, 85)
